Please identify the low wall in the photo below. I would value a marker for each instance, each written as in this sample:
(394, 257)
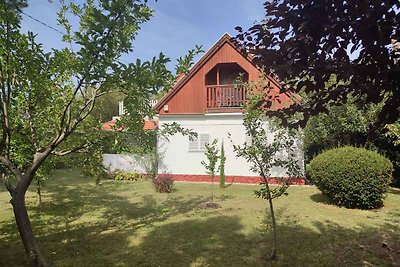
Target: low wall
(232, 179)
(124, 162)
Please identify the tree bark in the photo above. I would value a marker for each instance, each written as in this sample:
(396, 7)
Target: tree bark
(38, 194)
(273, 220)
(212, 189)
(26, 231)
(274, 235)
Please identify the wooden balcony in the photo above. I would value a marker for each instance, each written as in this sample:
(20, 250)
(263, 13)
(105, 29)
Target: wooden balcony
(228, 96)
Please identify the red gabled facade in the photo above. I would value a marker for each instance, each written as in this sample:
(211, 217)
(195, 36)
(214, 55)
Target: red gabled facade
(212, 84)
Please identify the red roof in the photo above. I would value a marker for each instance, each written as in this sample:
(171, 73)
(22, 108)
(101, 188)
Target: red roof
(148, 125)
(108, 126)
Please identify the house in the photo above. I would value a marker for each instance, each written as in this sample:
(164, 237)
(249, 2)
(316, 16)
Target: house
(209, 100)
(127, 162)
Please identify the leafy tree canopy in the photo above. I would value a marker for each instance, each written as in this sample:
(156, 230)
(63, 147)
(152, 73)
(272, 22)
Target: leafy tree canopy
(303, 43)
(47, 99)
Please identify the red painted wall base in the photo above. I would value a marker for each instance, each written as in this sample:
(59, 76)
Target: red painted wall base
(233, 179)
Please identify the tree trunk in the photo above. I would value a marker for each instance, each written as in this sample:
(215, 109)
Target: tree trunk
(274, 236)
(25, 230)
(212, 189)
(38, 194)
(273, 221)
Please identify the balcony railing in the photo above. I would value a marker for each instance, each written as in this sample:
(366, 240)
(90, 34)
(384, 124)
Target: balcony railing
(225, 96)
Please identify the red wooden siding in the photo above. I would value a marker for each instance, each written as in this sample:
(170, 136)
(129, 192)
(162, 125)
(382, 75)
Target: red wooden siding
(192, 97)
(209, 86)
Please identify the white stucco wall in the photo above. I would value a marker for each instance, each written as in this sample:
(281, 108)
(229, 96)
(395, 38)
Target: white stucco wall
(125, 162)
(175, 157)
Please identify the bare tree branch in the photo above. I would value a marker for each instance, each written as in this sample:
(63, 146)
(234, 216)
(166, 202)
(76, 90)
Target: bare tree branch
(11, 166)
(70, 151)
(7, 183)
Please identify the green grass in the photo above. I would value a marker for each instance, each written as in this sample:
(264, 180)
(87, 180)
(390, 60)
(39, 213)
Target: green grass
(127, 224)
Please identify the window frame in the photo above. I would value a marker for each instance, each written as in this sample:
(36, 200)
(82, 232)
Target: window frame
(200, 144)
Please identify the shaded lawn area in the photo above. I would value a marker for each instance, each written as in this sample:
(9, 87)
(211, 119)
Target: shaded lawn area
(126, 224)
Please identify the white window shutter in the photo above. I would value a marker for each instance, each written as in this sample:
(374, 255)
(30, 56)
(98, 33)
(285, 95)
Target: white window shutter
(194, 144)
(204, 139)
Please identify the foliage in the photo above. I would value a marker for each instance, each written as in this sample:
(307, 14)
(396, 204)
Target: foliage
(185, 63)
(222, 159)
(305, 42)
(125, 176)
(163, 184)
(394, 132)
(42, 175)
(265, 154)
(107, 106)
(349, 124)
(91, 163)
(133, 138)
(343, 124)
(388, 145)
(211, 164)
(352, 177)
(182, 67)
(47, 98)
(212, 158)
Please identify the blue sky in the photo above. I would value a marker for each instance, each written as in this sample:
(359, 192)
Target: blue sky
(176, 27)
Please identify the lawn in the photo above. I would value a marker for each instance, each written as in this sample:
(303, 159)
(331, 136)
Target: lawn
(126, 224)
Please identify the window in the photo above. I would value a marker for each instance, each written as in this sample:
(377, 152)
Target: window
(199, 142)
(204, 140)
(194, 144)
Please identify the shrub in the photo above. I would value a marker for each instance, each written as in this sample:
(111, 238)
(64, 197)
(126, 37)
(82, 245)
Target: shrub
(125, 176)
(163, 184)
(352, 177)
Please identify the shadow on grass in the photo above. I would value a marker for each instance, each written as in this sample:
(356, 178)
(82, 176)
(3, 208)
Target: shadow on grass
(394, 190)
(219, 241)
(66, 217)
(113, 238)
(320, 198)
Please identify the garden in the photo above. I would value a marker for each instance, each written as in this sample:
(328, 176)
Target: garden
(61, 207)
(125, 223)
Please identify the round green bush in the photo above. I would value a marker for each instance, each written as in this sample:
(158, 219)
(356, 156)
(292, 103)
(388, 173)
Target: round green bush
(352, 177)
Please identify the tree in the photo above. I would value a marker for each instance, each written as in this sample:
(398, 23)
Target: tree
(185, 63)
(107, 107)
(343, 125)
(303, 43)
(211, 166)
(265, 154)
(222, 160)
(347, 124)
(155, 81)
(394, 132)
(182, 67)
(47, 98)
